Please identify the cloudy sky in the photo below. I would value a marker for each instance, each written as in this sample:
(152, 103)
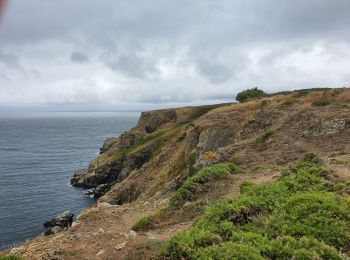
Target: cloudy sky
(134, 53)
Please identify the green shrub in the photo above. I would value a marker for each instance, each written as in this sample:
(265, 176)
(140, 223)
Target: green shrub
(146, 221)
(263, 138)
(249, 94)
(294, 217)
(204, 176)
(142, 223)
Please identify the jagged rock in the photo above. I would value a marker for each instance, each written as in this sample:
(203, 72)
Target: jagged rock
(156, 120)
(79, 177)
(108, 144)
(328, 126)
(212, 138)
(53, 231)
(61, 222)
(261, 122)
(100, 190)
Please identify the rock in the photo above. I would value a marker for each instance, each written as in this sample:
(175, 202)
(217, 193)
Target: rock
(121, 245)
(132, 233)
(158, 118)
(89, 192)
(61, 222)
(100, 253)
(104, 205)
(17, 250)
(100, 190)
(53, 230)
(108, 144)
(74, 224)
(79, 177)
(212, 138)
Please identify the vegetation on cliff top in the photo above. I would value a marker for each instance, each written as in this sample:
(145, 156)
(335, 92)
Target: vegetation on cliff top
(250, 94)
(300, 216)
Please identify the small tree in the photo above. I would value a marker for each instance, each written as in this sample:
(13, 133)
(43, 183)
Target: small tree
(250, 94)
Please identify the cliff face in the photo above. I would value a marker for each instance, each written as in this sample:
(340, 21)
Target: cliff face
(151, 160)
(160, 176)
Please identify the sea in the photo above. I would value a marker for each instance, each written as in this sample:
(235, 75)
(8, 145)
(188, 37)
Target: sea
(39, 153)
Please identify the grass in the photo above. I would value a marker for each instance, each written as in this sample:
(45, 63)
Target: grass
(199, 180)
(299, 216)
(11, 257)
(263, 138)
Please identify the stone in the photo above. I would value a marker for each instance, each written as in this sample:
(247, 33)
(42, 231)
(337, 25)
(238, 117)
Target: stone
(132, 233)
(100, 190)
(100, 253)
(17, 250)
(121, 245)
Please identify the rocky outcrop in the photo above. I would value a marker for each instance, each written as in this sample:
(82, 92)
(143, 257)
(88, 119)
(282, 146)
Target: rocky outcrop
(169, 145)
(102, 177)
(59, 223)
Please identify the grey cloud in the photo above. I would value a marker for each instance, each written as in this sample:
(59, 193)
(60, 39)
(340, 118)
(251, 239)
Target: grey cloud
(9, 59)
(215, 73)
(132, 65)
(79, 57)
(168, 51)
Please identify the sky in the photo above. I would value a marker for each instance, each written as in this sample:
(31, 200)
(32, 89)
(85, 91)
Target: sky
(131, 54)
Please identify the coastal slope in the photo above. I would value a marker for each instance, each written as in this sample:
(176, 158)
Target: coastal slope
(160, 177)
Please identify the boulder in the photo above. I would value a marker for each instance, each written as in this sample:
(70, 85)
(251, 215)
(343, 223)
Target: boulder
(61, 222)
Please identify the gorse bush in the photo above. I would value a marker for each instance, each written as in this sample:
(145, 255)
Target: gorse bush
(189, 187)
(299, 216)
(250, 94)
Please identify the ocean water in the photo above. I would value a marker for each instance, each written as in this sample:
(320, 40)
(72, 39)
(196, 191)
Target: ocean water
(38, 155)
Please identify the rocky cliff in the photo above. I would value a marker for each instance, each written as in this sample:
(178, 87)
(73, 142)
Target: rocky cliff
(154, 158)
(159, 177)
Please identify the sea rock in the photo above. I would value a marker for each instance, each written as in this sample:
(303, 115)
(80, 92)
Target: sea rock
(61, 222)
(100, 190)
(79, 177)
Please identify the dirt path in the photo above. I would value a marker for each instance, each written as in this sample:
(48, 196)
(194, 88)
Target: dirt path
(102, 232)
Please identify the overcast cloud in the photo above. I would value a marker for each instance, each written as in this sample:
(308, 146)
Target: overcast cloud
(134, 52)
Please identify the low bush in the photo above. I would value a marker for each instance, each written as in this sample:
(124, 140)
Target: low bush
(145, 222)
(249, 94)
(263, 138)
(294, 217)
(189, 187)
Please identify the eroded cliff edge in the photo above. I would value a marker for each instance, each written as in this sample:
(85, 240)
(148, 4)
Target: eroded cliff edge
(153, 159)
